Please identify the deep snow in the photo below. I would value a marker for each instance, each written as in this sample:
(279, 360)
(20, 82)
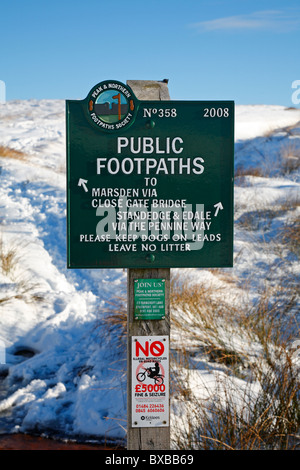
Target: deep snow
(75, 382)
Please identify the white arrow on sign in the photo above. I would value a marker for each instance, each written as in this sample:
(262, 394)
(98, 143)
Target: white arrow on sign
(83, 183)
(218, 207)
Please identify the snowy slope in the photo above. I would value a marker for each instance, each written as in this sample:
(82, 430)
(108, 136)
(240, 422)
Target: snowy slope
(75, 382)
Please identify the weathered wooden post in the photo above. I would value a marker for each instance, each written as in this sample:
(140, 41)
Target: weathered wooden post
(149, 437)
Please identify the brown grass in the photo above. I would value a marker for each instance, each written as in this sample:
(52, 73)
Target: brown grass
(252, 171)
(290, 157)
(232, 418)
(22, 287)
(8, 152)
(8, 257)
(265, 415)
(114, 318)
(289, 235)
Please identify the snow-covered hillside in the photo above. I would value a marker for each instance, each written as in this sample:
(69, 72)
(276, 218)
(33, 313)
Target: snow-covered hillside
(74, 383)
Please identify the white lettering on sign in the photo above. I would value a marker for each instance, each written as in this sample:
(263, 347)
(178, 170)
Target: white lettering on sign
(165, 113)
(143, 165)
(161, 224)
(147, 166)
(150, 145)
(142, 284)
(131, 214)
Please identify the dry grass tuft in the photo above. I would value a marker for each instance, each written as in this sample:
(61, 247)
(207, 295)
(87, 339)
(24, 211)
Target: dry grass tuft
(9, 256)
(237, 418)
(290, 235)
(8, 152)
(114, 318)
(263, 411)
(290, 158)
(17, 287)
(241, 171)
(205, 322)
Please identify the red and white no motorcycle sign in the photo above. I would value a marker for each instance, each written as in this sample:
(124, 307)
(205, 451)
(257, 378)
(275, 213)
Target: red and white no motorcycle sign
(150, 381)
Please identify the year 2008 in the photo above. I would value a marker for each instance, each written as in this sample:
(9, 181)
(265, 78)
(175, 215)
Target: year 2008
(215, 112)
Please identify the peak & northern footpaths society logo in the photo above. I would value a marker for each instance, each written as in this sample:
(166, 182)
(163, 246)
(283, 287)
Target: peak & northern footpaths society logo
(111, 105)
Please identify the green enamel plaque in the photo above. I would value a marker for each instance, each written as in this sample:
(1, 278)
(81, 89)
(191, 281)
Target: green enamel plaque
(149, 299)
(149, 183)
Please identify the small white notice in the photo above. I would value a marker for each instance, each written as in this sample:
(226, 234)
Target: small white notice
(150, 381)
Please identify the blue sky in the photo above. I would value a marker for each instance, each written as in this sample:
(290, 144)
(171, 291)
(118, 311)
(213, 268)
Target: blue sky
(241, 50)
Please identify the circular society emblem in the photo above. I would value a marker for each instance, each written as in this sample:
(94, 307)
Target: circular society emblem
(111, 105)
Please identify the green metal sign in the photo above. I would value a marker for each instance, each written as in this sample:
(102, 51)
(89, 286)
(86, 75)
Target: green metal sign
(149, 183)
(149, 299)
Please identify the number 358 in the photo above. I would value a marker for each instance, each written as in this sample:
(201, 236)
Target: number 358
(216, 112)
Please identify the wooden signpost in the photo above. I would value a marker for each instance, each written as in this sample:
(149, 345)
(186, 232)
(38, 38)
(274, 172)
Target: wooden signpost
(150, 187)
(150, 437)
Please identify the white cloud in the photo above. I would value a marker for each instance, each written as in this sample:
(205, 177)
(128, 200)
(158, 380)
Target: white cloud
(261, 20)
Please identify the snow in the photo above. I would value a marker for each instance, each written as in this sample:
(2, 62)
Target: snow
(258, 120)
(75, 382)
